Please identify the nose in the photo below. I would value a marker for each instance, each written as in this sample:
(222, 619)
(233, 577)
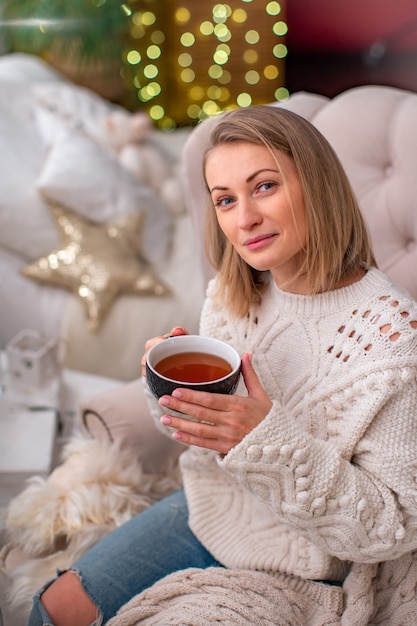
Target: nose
(248, 214)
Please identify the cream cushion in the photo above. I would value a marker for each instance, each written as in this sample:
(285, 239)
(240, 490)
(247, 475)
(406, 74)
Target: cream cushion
(121, 414)
(374, 132)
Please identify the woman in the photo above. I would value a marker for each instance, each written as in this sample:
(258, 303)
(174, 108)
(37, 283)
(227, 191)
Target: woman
(308, 473)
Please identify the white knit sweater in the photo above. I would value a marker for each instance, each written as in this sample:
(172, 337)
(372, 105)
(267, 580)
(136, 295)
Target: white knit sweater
(330, 475)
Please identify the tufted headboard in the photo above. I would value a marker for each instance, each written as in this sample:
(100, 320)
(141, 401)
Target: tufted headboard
(374, 131)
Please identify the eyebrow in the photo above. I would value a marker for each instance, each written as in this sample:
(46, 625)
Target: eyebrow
(264, 169)
(248, 180)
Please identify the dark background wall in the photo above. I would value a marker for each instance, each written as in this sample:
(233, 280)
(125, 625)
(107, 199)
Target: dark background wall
(337, 44)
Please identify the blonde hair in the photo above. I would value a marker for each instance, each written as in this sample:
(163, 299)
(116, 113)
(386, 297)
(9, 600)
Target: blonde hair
(338, 242)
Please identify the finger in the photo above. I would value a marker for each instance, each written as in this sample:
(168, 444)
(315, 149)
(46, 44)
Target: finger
(250, 377)
(195, 433)
(256, 391)
(194, 428)
(201, 404)
(192, 405)
(178, 330)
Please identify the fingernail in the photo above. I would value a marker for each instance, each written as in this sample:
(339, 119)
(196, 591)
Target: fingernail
(177, 393)
(164, 401)
(166, 420)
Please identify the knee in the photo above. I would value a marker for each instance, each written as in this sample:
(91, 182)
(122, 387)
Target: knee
(67, 602)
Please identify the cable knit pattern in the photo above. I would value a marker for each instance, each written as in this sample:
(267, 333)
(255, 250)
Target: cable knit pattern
(201, 597)
(336, 454)
(329, 477)
(242, 598)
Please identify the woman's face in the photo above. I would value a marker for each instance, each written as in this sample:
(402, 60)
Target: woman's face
(253, 209)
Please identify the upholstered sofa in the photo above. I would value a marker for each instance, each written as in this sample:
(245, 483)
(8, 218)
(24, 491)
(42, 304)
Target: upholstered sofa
(374, 131)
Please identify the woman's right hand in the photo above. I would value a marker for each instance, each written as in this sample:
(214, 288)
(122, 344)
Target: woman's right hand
(177, 330)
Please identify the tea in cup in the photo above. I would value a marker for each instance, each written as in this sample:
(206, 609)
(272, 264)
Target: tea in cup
(192, 362)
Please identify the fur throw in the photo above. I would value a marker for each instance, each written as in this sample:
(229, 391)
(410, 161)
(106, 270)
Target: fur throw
(99, 486)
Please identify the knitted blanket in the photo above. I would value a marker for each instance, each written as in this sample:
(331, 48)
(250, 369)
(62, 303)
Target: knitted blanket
(384, 595)
(233, 598)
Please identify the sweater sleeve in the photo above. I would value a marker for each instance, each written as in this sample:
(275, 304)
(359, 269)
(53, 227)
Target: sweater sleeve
(357, 501)
(156, 413)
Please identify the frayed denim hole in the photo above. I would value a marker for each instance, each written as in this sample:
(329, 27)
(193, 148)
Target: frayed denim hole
(43, 612)
(39, 613)
(99, 617)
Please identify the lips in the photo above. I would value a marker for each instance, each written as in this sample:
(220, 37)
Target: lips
(258, 242)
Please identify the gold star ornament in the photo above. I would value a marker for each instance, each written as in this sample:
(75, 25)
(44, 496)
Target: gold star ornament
(97, 262)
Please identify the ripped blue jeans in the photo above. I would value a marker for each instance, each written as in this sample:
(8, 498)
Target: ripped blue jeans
(155, 543)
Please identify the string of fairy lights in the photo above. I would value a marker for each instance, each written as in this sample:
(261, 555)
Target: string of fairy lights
(187, 61)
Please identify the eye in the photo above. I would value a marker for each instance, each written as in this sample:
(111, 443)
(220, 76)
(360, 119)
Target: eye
(223, 202)
(266, 185)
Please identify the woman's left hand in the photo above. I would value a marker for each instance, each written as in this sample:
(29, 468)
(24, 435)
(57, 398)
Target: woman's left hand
(226, 418)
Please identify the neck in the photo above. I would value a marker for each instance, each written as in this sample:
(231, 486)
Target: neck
(300, 286)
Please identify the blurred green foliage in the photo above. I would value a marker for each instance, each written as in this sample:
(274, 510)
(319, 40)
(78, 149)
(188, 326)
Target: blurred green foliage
(86, 30)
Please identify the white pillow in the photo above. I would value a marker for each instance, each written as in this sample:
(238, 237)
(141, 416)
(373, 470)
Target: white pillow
(50, 125)
(26, 226)
(80, 175)
(19, 67)
(77, 106)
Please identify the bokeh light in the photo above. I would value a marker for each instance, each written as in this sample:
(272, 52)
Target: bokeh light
(188, 61)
